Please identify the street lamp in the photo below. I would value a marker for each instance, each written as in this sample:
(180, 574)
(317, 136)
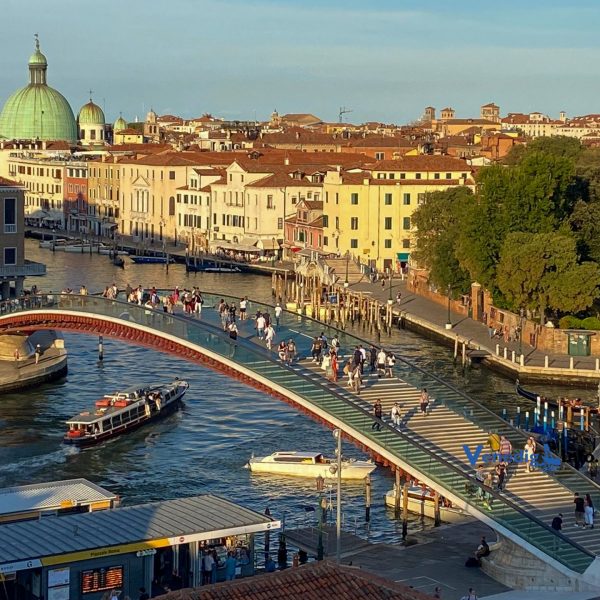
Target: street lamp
(449, 321)
(337, 468)
(346, 284)
(521, 316)
(390, 299)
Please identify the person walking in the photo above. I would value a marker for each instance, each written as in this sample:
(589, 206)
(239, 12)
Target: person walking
(470, 595)
(530, 453)
(390, 362)
(381, 360)
(424, 401)
(333, 365)
(505, 448)
(348, 368)
(269, 336)
(372, 359)
(356, 379)
(579, 510)
(557, 526)
(291, 352)
(588, 508)
(282, 351)
(243, 308)
(261, 323)
(395, 415)
(378, 414)
(278, 311)
(316, 348)
(500, 471)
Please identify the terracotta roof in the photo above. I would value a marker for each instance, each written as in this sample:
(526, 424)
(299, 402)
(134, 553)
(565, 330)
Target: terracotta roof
(139, 148)
(382, 142)
(318, 222)
(9, 183)
(421, 163)
(169, 119)
(470, 122)
(313, 204)
(314, 581)
(128, 131)
(282, 179)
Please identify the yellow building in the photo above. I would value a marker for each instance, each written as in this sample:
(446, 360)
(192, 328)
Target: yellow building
(368, 213)
(104, 193)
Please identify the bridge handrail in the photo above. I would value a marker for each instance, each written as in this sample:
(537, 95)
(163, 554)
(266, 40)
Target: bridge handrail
(463, 476)
(410, 365)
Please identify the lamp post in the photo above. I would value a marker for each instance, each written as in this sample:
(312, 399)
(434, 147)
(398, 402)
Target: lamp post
(449, 321)
(274, 258)
(346, 284)
(337, 434)
(53, 239)
(521, 316)
(390, 299)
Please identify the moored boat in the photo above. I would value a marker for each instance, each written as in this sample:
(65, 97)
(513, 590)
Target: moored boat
(211, 266)
(151, 260)
(310, 464)
(574, 403)
(422, 502)
(119, 413)
(57, 244)
(83, 247)
(108, 251)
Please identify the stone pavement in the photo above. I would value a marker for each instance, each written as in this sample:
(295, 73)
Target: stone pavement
(438, 559)
(437, 315)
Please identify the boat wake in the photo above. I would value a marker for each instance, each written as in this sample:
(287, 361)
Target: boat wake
(29, 463)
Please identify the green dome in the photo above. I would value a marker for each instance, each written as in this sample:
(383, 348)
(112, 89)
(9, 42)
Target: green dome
(120, 124)
(90, 114)
(37, 58)
(38, 111)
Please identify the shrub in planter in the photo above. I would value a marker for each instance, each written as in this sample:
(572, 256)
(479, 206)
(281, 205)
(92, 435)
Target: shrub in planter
(570, 322)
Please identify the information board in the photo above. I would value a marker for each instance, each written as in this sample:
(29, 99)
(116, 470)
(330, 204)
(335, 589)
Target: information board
(58, 577)
(98, 580)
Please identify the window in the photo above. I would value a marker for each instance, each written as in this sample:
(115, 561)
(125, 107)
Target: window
(353, 243)
(171, 174)
(402, 175)
(406, 199)
(417, 175)
(406, 223)
(448, 175)
(10, 256)
(337, 198)
(380, 175)
(171, 206)
(354, 223)
(280, 223)
(420, 198)
(391, 175)
(10, 215)
(337, 223)
(353, 198)
(325, 240)
(387, 243)
(387, 223)
(406, 243)
(301, 235)
(325, 220)
(379, 155)
(436, 175)
(270, 201)
(388, 200)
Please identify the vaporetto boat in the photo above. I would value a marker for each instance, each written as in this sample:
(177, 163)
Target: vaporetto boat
(309, 464)
(124, 411)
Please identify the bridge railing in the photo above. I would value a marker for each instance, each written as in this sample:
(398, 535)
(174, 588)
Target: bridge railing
(355, 414)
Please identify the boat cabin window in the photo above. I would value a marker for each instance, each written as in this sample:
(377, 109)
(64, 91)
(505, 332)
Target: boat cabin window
(126, 416)
(292, 459)
(106, 425)
(116, 421)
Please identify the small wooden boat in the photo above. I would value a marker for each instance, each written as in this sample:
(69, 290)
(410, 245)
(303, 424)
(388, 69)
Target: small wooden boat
(421, 501)
(119, 413)
(117, 261)
(151, 260)
(210, 266)
(310, 464)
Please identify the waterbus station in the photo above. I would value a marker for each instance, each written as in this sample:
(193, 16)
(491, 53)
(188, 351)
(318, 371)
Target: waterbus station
(86, 555)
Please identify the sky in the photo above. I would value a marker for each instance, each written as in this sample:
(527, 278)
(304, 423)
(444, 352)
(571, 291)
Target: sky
(241, 59)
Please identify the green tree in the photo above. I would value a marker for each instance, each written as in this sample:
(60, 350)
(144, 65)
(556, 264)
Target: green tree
(540, 272)
(585, 224)
(437, 220)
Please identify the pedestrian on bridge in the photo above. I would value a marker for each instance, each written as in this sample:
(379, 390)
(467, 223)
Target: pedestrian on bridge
(378, 414)
(395, 415)
(588, 507)
(381, 358)
(372, 359)
(390, 362)
(579, 510)
(470, 595)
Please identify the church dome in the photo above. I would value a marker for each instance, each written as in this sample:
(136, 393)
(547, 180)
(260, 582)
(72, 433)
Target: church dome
(90, 114)
(38, 111)
(120, 124)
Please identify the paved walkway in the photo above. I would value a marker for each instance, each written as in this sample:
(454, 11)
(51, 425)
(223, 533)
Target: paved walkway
(437, 316)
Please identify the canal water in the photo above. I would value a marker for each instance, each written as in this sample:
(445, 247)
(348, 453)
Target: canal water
(204, 447)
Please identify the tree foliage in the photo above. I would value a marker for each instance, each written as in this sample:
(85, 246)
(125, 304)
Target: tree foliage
(540, 271)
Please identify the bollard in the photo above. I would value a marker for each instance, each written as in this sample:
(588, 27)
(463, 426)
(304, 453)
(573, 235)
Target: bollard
(100, 348)
(455, 348)
(545, 423)
(518, 418)
(464, 353)
(545, 410)
(571, 362)
(581, 427)
(522, 360)
(546, 362)
(513, 355)
(505, 353)
(367, 499)
(497, 349)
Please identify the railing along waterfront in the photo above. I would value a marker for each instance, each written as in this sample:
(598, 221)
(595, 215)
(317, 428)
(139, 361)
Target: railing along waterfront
(354, 413)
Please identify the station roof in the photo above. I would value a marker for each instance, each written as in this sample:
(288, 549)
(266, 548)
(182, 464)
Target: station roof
(51, 495)
(120, 530)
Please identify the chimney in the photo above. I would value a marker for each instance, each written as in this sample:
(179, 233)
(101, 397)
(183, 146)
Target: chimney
(286, 161)
(297, 135)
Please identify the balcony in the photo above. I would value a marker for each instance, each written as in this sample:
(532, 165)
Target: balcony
(29, 269)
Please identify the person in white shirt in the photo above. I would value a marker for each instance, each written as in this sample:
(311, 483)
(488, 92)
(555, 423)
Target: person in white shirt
(278, 311)
(381, 360)
(395, 414)
(269, 336)
(260, 326)
(243, 307)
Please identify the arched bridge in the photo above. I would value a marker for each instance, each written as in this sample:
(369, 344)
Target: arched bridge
(429, 449)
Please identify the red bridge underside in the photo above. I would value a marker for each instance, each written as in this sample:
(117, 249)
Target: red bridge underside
(25, 322)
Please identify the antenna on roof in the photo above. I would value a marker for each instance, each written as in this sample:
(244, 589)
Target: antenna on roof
(343, 111)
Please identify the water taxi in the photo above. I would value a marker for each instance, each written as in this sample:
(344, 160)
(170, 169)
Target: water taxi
(124, 411)
(421, 501)
(310, 464)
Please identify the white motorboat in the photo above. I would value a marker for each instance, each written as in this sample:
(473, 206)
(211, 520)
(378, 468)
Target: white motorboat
(108, 251)
(310, 464)
(56, 244)
(421, 501)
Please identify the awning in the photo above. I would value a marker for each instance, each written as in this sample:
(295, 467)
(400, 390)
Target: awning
(403, 256)
(268, 244)
(37, 214)
(234, 247)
